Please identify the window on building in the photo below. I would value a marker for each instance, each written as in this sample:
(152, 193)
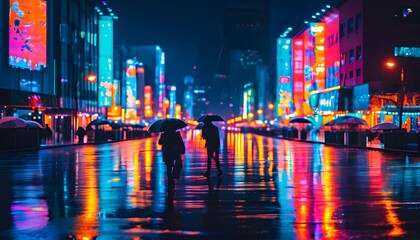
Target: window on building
(358, 21)
(358, 72)
(351, 55)
(341, 77)
(350, 74)
(342, 29)
(343, 59)
(359, 52)
(350, 25)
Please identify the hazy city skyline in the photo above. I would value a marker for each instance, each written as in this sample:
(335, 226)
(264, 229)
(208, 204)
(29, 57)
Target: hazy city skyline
(188, 31)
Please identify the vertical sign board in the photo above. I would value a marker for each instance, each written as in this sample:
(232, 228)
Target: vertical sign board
(148, 101)
(105, 68)
(131, 87)
(318, 68)
(284, 75)
(298, 74)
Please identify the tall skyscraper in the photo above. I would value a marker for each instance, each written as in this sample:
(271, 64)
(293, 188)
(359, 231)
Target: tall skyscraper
(246, 33)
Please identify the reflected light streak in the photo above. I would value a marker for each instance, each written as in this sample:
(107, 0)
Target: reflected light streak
(260, 155)
(87, 221)
(148, 160)
(249, 150)
(328, 227)
(136, 176)
(30, 214)
(239, 158)
(392, 218)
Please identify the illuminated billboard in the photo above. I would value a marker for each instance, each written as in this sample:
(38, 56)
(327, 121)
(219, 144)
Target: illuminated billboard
(28, 34)
(298, 74)
(284, 74)
(105, 68)
(148, 101)
(131, 84)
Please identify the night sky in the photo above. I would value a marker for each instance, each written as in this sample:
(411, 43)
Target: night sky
(189, 31)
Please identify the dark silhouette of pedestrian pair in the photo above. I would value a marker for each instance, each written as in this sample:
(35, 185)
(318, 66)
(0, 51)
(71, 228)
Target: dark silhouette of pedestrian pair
(172, 149)
(211, 134)
(80, 132)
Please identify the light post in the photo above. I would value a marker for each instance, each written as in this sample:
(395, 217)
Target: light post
(91, 78)
(401, 95)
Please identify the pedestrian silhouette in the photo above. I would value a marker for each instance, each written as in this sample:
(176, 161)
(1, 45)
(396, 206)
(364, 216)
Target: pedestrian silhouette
(80, 132)
(47, 132)
(211, 134)
(172, 148)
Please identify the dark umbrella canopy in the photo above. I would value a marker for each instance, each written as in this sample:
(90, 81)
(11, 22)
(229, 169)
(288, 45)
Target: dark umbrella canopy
(99, 121)
(167, 124)
(300, 120)
(384, 126)
(347, 120)
(348, 123)
(210, 118)
(136, 125)
(33, 124)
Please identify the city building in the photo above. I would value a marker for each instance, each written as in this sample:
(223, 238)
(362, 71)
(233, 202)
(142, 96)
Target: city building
(370, 37)
(246, 33)
(46, 74)
(151, 76)
(339, 61)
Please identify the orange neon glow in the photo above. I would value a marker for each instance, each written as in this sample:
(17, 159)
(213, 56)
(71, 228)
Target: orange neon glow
(88, 190)
(91, 78)
(390, 64)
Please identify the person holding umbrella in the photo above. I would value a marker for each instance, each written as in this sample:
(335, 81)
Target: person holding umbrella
(211, 134)
(172, 146)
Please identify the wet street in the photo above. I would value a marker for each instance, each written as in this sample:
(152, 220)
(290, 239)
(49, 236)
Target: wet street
(271, 189)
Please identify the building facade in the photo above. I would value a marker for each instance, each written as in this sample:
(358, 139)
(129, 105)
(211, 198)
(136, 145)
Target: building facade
(46, 64)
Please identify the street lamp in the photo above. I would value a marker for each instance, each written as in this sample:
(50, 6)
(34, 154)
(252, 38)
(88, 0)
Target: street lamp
(91, 78)
(401, 95)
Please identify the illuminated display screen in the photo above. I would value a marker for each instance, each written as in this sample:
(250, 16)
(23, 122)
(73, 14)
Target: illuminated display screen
(148, 92)
(332, 50)
(318, 68)
(284, 73)
(361, 97)
(298, 74)
(105, 83)
(131, 83)
(28, 34)
(407, 52)
(328, 101)
(105, 61)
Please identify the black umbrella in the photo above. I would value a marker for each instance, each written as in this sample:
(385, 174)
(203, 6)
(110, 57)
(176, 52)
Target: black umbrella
(210, 118)
(99, 121)
(348, 123)
(136, 125)
(167, 124)
(347, 120)
(300, 120)
(384, 126)
(33, 124)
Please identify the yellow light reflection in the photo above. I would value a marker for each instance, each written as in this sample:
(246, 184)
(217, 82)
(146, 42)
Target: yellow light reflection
(87, 222)
(148, 159)
(392, 218)
(249, 153)
(328, 228)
